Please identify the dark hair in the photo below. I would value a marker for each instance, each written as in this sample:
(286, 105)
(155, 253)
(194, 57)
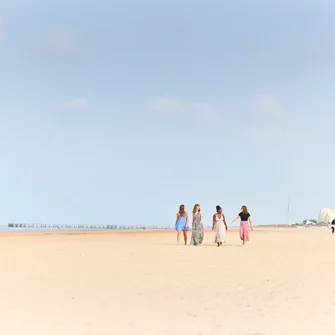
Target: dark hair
(218, 208)
(244, 210)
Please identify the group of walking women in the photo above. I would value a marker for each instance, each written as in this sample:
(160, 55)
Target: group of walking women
(219, 225)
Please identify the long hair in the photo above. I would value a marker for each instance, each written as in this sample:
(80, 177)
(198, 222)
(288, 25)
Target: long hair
(195, 208)
(181, 210)
(245, 210)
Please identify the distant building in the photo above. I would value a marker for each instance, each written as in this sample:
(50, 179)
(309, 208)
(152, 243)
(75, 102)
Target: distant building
(327, 215)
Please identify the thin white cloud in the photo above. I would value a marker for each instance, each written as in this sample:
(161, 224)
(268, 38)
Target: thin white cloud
(62, 40)
(181, 107)
(77, 104)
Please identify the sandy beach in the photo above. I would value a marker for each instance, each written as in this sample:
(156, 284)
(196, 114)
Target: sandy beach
(142, 283)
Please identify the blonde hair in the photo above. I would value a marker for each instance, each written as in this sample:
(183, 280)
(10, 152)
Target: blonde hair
(195, 208)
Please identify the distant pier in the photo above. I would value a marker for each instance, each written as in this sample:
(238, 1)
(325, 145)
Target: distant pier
(38, 226)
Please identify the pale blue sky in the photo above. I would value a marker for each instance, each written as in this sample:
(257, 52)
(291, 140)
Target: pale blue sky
(119, 111)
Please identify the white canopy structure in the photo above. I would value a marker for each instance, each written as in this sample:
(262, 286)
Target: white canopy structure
(327, 215)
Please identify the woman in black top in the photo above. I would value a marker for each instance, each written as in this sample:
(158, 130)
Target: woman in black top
(245, 218)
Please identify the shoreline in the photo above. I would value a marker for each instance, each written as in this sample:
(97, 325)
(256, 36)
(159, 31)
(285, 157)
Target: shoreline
(47, 232)
(92, 232)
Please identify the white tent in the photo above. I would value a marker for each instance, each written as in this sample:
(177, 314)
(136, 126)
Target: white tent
(327, 215)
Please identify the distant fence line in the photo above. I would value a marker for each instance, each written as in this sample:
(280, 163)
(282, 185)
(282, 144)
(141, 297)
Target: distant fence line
(80, 226)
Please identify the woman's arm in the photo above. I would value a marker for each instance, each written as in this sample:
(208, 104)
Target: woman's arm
(224, 221)
(177, 218)
(251, 223)
(237, 217)
(213, 222)
(186, 219)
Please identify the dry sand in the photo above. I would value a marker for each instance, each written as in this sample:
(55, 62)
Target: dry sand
(283, 282)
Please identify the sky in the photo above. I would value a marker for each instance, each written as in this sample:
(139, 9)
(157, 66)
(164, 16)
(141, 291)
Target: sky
(117, 112)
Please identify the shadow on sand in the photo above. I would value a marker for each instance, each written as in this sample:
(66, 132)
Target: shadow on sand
(223, 246)
(206, 245)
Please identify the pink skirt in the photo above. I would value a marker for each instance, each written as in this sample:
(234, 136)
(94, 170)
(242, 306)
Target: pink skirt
(244, 230)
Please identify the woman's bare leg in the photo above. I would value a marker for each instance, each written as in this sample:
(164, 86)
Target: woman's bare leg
(185, 236)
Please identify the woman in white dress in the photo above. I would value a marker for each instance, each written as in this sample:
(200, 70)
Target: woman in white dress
(220, 226)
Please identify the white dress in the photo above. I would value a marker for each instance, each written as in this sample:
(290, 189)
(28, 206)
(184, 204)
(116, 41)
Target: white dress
(220, 229)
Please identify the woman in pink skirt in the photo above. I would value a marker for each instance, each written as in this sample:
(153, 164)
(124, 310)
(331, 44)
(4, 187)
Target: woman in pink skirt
(245, 218)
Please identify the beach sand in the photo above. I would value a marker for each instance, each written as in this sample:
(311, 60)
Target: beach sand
(142, 283)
